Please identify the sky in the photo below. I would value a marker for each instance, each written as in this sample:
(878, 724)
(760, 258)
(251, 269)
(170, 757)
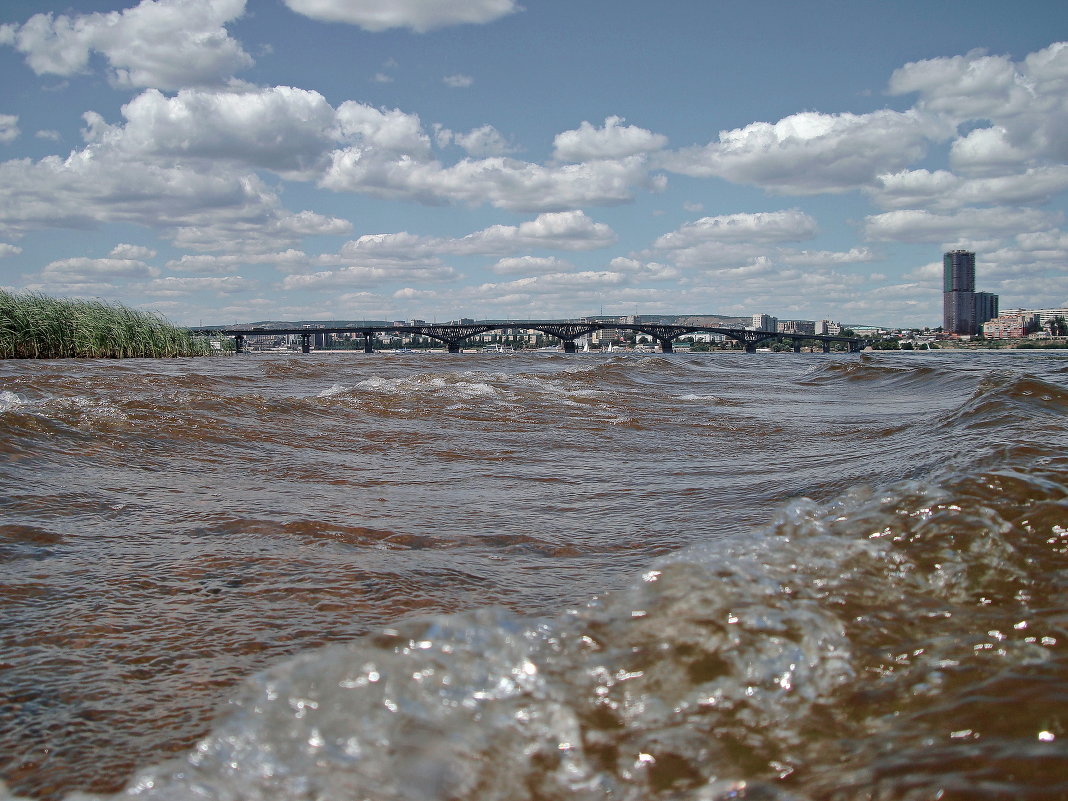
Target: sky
(225, 161)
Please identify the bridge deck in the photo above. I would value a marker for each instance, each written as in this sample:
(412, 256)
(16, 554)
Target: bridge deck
(567, 331)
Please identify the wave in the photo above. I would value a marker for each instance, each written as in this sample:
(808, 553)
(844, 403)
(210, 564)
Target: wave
(900, 644)
(895, 641)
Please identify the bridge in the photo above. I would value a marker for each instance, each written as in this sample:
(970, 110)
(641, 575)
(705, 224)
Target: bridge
(453, 335)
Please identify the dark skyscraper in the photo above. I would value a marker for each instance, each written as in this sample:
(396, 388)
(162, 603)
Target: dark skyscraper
(986, 307)
(964, 309)
(958, 268)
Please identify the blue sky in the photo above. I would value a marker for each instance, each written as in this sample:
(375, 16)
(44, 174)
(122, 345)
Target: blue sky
(236, 160)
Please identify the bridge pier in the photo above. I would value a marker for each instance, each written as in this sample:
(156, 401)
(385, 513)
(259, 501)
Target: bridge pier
(453, 347)
(368, 344)
(239, 344)
(750, 347)
(305, 343)
(797, 346)
(569, 345)
(826, 347)
(665, 345)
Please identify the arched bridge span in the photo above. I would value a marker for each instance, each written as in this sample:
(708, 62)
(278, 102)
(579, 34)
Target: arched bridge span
(454, 335)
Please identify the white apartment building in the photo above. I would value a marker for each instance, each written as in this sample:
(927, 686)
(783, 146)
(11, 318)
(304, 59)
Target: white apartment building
(1042, 316)
(764, 322)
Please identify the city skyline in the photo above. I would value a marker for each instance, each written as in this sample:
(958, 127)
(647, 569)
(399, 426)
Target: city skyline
(225, 162)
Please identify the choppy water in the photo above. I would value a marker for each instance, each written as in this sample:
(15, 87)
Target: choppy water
(767, 576)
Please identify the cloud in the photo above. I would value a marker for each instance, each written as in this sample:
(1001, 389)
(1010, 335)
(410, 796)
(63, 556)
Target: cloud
(591, 280)
(941, 190)
(1023, 106)
(524, 265)
(9, 250)
(213, 208)
(613, 141)
(381, 132)
(131, 252)
(229, 132)
(962, 226)
(87, 270)
(9, 129)
(458, 81)
(479, 142)
(419, 15)
(965, 87)
(363, 275)
(501, 182)
(568, 230)
(289, 131)
(165, 44)
(564, 230)
(411, 293)
(826, 257)
(791, 225)
(987, 150)
(209, 264)
(173, 286)
(810, 152)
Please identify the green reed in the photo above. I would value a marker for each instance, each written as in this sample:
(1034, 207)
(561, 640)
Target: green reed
(34, 326)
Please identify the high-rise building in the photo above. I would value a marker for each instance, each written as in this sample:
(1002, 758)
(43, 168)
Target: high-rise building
(986, 308)
(963, 309)
(958, 271)
(958, 292)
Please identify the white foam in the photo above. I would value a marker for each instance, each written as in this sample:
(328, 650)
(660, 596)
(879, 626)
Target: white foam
(10, 401)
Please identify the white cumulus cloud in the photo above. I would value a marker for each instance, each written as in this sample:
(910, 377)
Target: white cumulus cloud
(942, 190)
(964, 225)
(791, 225)
(287, 130)
(173, 286)
(9, 128)
(419, 15)
(135, 252)
(478, 142)
(1023, 107)
(525, 265)
(811, 152)
(458, 81)
(613, 141)
(165, 44)
(86, 269)
(566, 230)
(501, 182)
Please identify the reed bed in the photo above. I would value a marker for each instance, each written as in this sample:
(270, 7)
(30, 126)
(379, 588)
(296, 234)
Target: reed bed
(34, 326)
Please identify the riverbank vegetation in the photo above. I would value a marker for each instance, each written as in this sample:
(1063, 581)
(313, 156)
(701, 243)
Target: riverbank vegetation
(34, 326)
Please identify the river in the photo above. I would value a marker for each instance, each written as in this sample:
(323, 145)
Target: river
(535, 576)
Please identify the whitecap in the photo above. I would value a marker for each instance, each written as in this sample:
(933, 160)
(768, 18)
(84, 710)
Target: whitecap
(10, 401)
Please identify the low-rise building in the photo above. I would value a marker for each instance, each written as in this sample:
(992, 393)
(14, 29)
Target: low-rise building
(797, 326)
(1010, 325)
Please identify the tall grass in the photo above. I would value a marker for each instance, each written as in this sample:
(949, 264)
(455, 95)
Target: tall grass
(34, 326)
